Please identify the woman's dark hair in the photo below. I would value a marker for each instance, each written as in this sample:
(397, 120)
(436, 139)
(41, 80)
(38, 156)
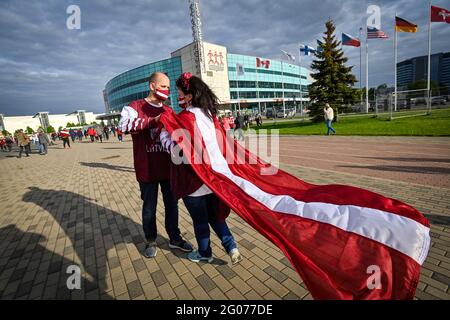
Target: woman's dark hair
(202, 95)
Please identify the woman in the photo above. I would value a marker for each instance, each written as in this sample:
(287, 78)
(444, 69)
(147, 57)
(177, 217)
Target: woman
(44, 141)
(203, 205)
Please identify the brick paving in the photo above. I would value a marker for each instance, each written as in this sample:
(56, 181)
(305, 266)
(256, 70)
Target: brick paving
(82, 207)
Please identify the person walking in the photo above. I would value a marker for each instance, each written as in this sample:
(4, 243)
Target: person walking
(65, 136)
(119, 134)
(80, 135)
(99, 132)
(73, 135)
(91, 133)
(44, 141)
(329, 116)
(239, 125)
(258, 120)
(9, 142)
(106, 132)
(24, 143)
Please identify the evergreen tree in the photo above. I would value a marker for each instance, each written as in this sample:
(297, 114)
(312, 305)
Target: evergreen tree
(333, 79)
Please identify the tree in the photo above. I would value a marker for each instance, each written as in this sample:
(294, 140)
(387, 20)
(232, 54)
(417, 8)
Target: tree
(50, 129)
(333, 79)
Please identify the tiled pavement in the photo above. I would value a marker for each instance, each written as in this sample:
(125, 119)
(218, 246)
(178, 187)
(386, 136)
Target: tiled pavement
(82, 207)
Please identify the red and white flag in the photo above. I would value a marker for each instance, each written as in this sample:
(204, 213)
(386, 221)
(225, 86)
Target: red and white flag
(344, 242)
(262, 63)
(440, 14)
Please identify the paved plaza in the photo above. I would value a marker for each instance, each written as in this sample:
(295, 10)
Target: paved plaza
(81, 206)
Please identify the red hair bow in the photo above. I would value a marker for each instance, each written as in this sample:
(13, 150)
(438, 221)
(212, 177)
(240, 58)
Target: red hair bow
(186, 76)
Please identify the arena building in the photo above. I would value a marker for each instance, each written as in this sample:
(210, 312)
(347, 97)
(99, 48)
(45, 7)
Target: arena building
(250, 83)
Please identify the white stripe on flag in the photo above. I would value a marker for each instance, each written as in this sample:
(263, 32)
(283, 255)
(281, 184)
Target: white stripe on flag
(400, 233)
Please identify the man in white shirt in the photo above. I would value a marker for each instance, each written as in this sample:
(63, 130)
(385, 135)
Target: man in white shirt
(329, 116)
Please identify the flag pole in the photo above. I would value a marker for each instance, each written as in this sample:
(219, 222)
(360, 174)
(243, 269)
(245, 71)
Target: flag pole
(300, 79)
(367, 74)
(429, 61)
(257, 89)
(282, 85)
(395, 65)
(237, 84)
(360, 66)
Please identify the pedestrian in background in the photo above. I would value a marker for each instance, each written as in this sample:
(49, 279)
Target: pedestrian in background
(65, 136)
(329, 116)
(99, 132)
(24, 143)
(44, 141)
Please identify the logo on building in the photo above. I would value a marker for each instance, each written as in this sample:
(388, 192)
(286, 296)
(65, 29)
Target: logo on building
(215, 61)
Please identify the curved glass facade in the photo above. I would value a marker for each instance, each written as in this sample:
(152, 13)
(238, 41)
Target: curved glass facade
(265, 87)
(133, 84)
(260, 88)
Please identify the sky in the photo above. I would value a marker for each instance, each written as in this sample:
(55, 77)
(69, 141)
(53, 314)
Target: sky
(47, 67)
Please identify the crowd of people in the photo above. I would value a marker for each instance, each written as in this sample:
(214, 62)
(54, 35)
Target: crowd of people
(239, 124)
(40, 140)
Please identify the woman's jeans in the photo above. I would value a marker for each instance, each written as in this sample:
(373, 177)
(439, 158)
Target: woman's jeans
(330, 128)
(203, 212)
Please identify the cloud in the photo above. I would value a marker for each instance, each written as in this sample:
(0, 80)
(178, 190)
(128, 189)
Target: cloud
(45, 66)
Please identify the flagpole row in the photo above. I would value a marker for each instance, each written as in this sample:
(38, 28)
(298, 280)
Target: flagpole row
(395, 68)
(300, 79)
(360, 67)
(367, 75)
(429, 62)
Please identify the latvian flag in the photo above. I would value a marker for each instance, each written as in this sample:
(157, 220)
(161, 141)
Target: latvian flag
(345, 242)
(348, 40)
(374, 33)
(401, 25)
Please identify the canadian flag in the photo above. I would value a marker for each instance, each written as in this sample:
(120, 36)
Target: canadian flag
(440, 14)
(262, 63)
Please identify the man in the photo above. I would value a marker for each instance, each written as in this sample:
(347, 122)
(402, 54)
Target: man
(99, 132)
(24, 143)
(152, 163)
(258, 120)
(65, 136)
(239, 124)
(329, 116)
(106, 132)
(231, 120)
(91, 132)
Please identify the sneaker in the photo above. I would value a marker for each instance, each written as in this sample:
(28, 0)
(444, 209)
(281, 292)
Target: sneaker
(150, 250)
(236, 256)
(182, 245)
(195, 256)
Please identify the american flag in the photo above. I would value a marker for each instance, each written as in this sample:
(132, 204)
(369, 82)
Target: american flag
(374, 33)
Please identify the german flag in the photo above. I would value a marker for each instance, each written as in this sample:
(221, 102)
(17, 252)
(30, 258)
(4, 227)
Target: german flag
(401, 25)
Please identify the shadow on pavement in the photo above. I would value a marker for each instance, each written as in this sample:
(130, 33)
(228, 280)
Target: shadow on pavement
(86, 234)
(107, 166)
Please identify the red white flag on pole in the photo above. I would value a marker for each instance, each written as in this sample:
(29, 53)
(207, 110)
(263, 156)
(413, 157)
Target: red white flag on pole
(262, 63)
(344, 242)
(440, 14)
